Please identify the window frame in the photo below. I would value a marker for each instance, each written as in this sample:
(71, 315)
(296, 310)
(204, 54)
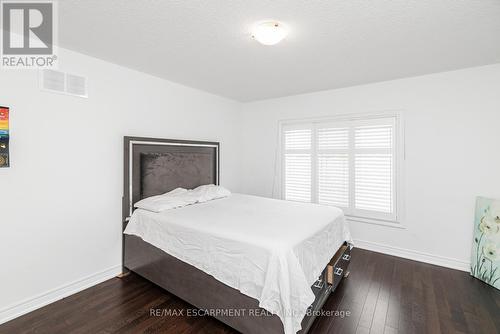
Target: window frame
(363, 216)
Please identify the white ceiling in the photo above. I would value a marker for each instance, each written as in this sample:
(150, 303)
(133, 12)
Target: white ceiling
(333, 43)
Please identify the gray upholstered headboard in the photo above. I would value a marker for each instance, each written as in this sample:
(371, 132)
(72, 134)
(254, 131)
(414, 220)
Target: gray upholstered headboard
(155, 166)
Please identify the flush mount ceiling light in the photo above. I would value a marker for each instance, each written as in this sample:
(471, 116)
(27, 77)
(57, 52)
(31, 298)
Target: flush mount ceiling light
(269, 32)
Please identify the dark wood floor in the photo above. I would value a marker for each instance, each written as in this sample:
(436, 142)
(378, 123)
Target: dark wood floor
(384, 294)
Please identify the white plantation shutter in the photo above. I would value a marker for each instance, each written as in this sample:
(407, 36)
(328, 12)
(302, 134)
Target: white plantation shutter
(298, 177)
(374, 160)
(333, 179)
(298, 139)
(297, 163)
(347, 164)
(374, 136)
(373, 186)
(333, 137)
(333, 165)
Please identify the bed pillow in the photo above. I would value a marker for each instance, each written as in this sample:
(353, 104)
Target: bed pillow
(210, 192)
(181, 197)
(173, 199)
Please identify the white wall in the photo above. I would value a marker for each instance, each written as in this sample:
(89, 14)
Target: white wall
(452, 154)
(60, 202)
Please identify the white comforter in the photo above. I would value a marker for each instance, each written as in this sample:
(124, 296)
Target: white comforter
(270, 250)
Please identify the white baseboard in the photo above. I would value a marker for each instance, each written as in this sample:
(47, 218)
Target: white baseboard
(31, 304)
(413, 255)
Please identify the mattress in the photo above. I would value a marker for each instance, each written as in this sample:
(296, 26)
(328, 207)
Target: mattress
(268, 249)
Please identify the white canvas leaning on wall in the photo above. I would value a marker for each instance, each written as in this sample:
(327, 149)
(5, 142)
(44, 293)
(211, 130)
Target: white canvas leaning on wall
(485, 262)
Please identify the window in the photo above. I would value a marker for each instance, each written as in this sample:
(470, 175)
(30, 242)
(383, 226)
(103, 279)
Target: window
(351, 164)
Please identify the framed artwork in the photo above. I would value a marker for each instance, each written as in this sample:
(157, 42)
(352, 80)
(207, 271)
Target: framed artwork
(4, 137)
(485, 263)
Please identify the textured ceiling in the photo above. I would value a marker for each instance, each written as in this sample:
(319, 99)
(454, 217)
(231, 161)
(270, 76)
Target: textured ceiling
(337, 43)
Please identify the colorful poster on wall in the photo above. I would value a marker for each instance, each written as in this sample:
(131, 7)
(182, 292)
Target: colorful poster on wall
(4, 137)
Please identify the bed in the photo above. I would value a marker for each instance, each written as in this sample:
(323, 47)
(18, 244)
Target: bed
(259, 265)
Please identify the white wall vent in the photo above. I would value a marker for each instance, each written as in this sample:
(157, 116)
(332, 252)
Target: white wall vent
(64, 83)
